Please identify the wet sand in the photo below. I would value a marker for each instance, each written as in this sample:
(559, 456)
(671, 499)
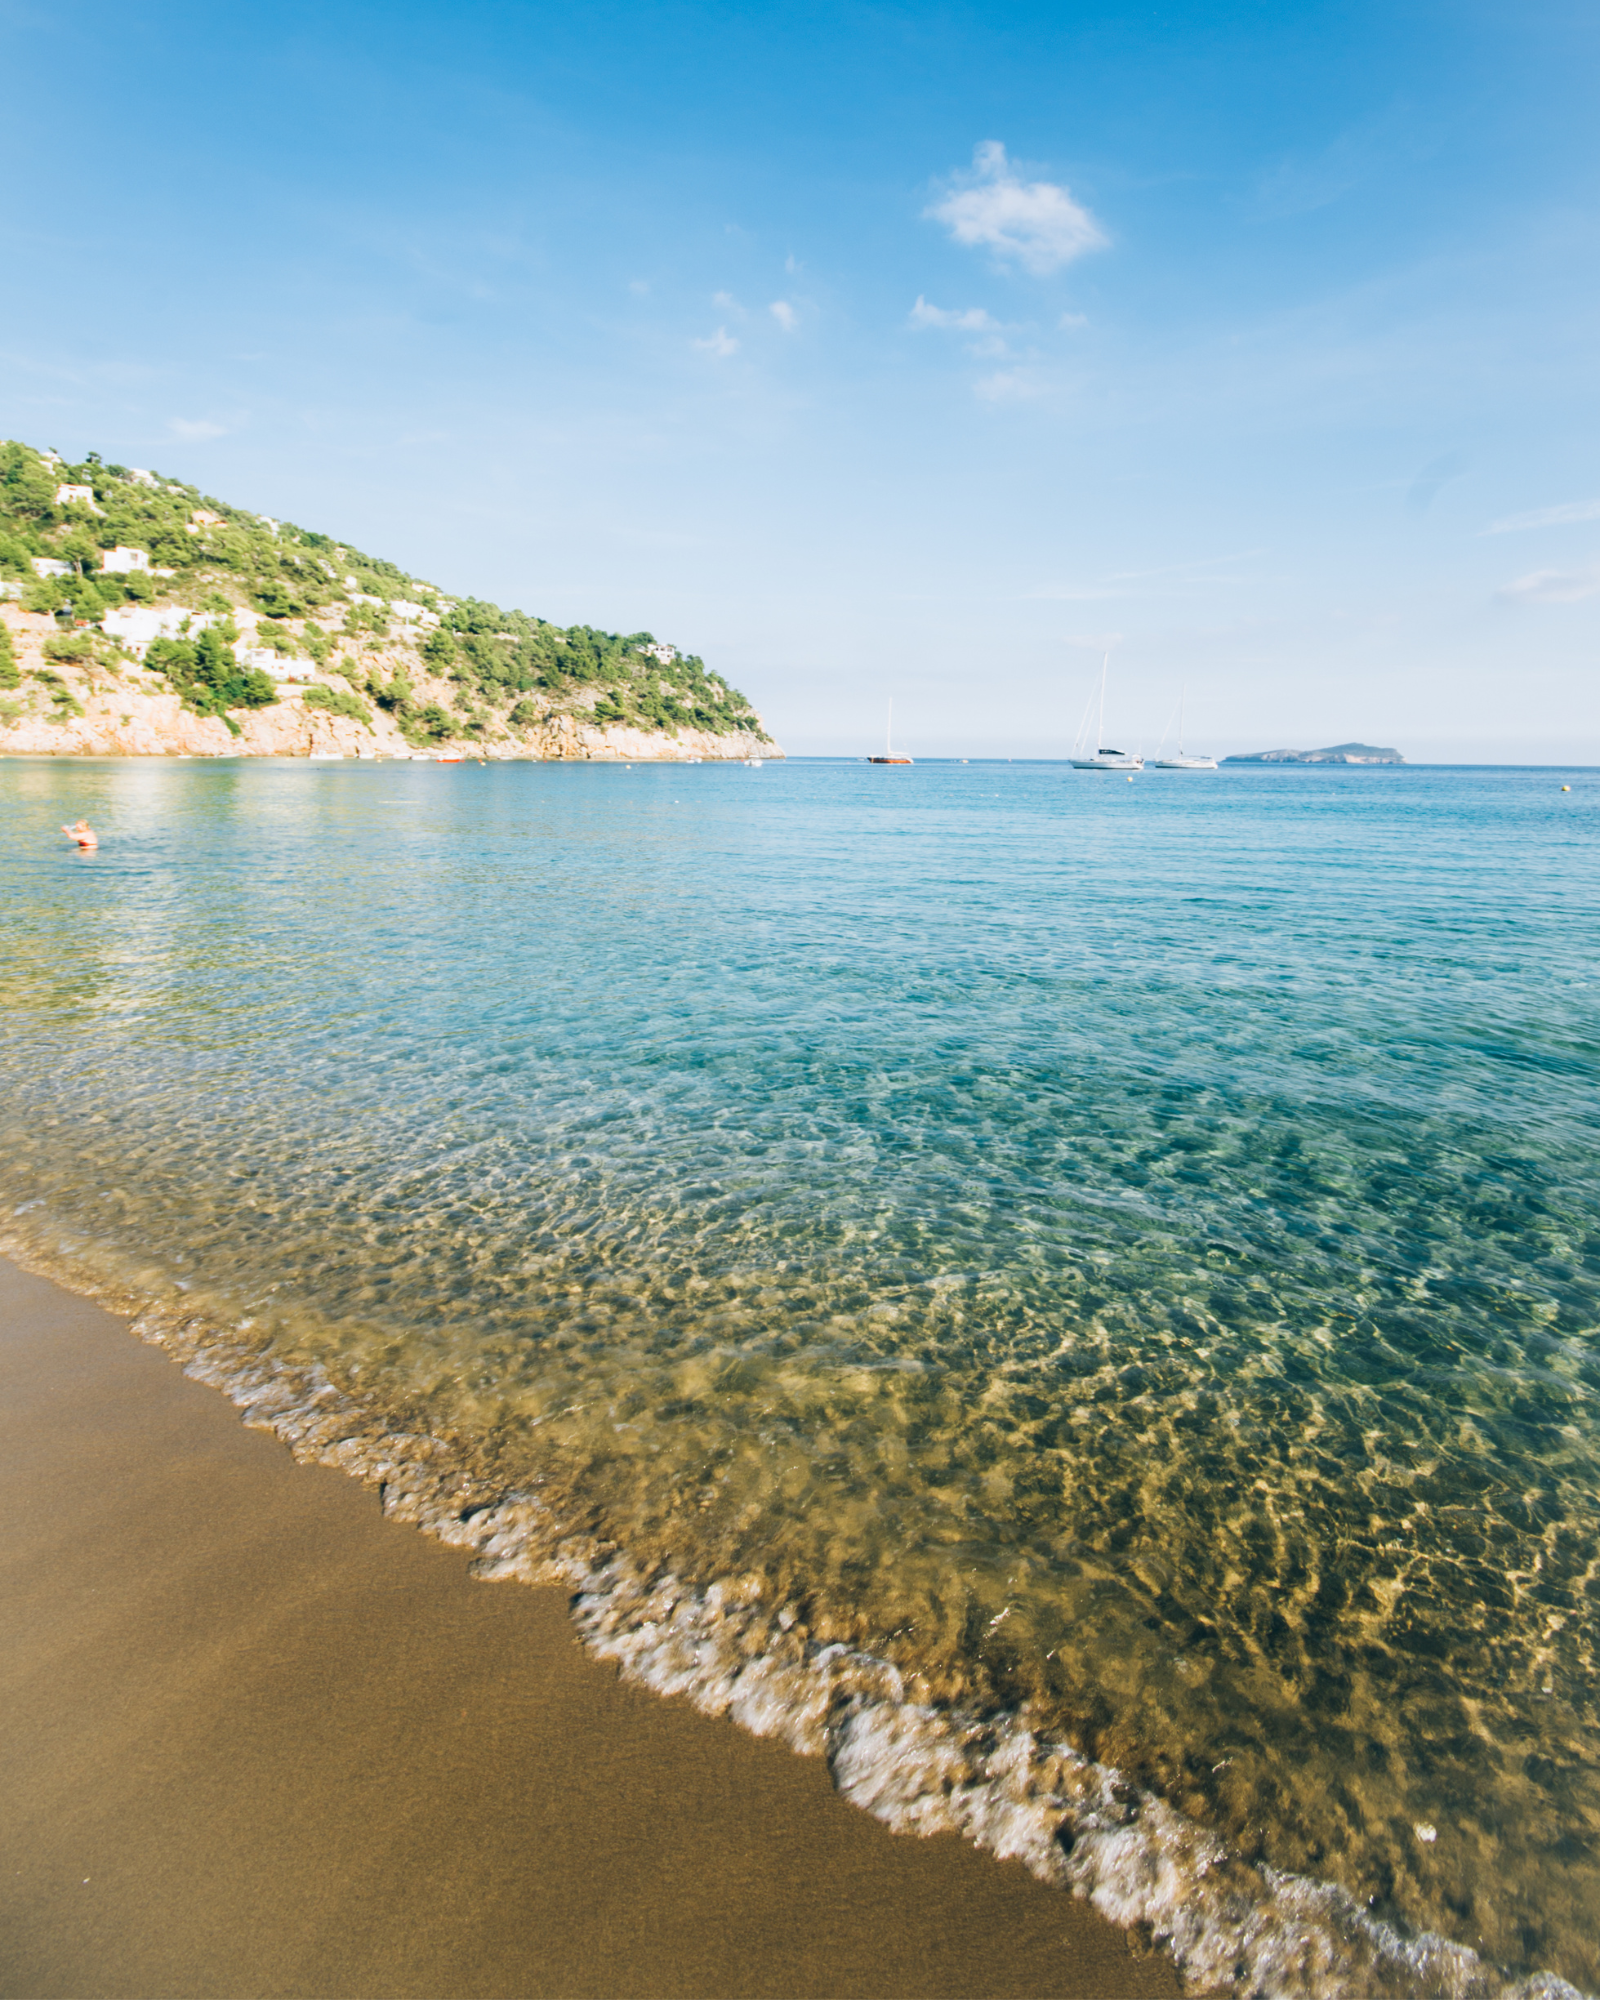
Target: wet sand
(256, 1739)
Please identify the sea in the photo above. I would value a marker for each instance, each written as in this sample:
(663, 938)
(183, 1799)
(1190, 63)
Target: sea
(1077, 1301)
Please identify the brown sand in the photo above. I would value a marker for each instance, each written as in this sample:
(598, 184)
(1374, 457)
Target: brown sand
(256, 1739)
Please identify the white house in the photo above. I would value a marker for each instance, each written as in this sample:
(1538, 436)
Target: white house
(411, 613)
(265, 660)
(661, 651)
(49, 566)
(123, 562)
(135, 625)
(140, 477)
(202, 517)
(76, 496)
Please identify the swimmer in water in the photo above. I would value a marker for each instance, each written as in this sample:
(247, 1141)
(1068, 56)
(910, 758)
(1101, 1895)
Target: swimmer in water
(83, 833)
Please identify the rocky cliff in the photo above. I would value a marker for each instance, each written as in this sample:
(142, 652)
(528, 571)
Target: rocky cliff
(108, 705)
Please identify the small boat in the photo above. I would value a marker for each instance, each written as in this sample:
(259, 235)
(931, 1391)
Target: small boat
(448, 757)
(1105, 758)
(324, 756)
(888, 756)
(752, 763)
(1180, 762)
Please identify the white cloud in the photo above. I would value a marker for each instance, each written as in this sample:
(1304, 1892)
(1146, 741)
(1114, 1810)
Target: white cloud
(1547, 517)
(726, 302)
(973, 320)
(1070, 322)
(194, 431)
(1036, 223)
(791, 263)
(1009, 385)
(784, 314)
(1554, 586)
(721, 343)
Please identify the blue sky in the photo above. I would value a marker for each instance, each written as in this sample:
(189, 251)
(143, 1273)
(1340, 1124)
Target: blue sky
(872, 351)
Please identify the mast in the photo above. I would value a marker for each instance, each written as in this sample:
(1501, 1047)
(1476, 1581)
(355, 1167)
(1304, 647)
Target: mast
(888, 734)
(1182, 698)
(1100, 726)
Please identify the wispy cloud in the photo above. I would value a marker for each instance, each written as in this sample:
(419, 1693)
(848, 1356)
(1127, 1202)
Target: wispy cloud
(784, 314)
(973, 320)
(1305, 182)
(195, 430)
(1070, 322)
(1170, 579)
(721, 343)
(1438, 472)
(1546, 517)
(1010, 385)
(1554, 586)
(1036, 224)
(726, 302)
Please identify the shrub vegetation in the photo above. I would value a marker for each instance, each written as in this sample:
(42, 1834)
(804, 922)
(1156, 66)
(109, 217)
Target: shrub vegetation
(337, 701)
(499, 659)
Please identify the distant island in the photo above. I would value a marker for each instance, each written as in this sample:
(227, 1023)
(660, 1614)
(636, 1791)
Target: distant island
(1338, 753)
(141, 617)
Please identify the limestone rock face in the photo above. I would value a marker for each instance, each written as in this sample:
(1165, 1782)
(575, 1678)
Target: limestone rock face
(127, 712)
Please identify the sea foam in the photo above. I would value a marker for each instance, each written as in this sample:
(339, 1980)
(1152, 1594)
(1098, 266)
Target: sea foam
(994, 1779)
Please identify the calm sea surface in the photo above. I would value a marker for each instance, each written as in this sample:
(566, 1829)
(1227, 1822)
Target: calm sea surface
(1124, 1249)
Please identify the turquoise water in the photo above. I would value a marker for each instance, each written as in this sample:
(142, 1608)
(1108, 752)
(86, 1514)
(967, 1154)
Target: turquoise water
(1124, 1254)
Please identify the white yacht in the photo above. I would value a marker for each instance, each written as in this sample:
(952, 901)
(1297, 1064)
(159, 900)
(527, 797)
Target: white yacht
(888, 756)
(1104, 758)
(1181, 762)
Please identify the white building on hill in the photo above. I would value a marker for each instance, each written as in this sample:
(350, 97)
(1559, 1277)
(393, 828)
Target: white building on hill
(50, 566)
(76, 496)
(124, 562)
(135, 625)
(264, 660)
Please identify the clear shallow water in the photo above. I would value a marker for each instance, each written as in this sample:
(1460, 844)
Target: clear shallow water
(1124, 1254)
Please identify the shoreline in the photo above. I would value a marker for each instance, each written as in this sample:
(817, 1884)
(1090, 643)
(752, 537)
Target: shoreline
(295, 1748)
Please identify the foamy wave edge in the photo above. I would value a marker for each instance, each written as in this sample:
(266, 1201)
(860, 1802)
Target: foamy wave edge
(1076, 1824)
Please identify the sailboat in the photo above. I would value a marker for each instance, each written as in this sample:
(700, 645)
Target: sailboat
(1105, 759)
(1181, 762)
(888, 756)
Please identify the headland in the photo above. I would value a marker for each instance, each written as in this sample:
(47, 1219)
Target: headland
(140, 617)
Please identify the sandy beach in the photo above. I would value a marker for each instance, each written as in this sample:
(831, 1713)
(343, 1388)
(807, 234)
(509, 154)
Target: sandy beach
(261, 1740)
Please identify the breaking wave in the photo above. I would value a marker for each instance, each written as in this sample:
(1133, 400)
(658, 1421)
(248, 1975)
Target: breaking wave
(995, 1779)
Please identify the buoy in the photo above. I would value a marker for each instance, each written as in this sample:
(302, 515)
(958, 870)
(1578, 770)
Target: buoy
(1566, 788)
(1130, 780)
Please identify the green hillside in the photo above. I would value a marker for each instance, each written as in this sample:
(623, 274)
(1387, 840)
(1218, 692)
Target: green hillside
(311, 590)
